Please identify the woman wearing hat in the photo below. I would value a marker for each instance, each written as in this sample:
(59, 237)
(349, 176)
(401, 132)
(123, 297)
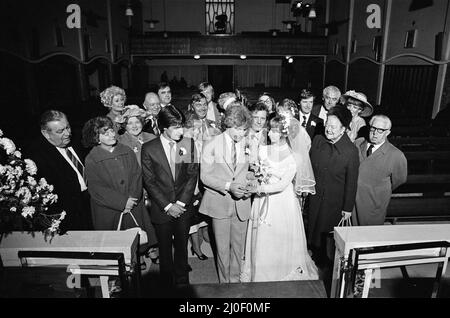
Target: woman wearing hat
(357, 104)
(335, 164)
(132, 122)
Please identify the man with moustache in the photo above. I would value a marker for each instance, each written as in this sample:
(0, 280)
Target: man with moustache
(170, 172)
(60, 162)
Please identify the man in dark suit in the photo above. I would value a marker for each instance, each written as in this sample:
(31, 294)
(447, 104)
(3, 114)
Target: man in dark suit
(331, 96)
(60, 162)
(312, 123)
(170, 171)
(153, 105)
(165, 96)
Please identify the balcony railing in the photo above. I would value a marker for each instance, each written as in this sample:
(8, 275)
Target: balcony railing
(257, 44)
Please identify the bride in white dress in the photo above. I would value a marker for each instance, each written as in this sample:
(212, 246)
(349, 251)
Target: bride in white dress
(275, 248)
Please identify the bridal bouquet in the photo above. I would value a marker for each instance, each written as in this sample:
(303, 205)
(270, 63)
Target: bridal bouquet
(24, 201)
(261, 171)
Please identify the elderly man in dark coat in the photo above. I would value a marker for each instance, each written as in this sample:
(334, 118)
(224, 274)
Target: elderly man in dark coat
(382, 168)
(335, 164)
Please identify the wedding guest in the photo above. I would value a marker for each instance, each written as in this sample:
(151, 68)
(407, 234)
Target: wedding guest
(330, 95)
(257, 134)
(60, 162)
(114, 179)
(165, 96)
(382, 169)
(114, 99)
(213, 113)
(223, 171)
(269, 101)
(134, 137)
(359, 107)
(132, 123)
(152, 105)
(171, 171)
(312, 123)
(201, 129)
(335, 164)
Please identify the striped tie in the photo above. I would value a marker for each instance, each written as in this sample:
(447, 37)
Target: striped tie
(76, 163)
(233, 154)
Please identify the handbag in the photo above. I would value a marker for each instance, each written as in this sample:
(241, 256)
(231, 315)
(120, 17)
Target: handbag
(143, 239)
(330, 237)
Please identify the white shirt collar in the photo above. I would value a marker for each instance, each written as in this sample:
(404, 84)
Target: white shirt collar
(375, 147)
(306, 115)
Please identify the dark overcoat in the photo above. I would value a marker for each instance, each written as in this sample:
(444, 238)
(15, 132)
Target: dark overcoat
(58, 172)
(335, 168)
(113, 177)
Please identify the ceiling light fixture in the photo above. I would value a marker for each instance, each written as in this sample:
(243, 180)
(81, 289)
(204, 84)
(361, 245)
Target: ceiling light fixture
(196, 56)
(129, 12)
(243, 57)
(312, 13)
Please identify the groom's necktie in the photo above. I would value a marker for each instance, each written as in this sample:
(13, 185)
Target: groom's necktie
(76, 163)
(233, 154)
(172, 158)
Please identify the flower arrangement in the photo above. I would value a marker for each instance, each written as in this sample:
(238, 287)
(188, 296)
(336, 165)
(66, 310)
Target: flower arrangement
(25, 202)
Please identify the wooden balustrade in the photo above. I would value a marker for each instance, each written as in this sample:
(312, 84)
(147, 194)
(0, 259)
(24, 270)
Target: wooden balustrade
(180, 44)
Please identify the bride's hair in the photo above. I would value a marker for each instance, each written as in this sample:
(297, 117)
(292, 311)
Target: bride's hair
(277, 123)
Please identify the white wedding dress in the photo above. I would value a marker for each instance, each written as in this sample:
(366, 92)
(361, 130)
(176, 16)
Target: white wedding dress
(275, 248)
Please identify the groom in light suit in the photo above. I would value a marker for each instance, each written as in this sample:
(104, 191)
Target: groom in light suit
(223, 171)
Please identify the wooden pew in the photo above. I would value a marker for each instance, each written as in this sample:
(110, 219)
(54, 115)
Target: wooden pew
(421, 198)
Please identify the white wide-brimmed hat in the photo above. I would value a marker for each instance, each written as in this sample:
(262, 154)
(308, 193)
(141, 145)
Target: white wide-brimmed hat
(367, 107)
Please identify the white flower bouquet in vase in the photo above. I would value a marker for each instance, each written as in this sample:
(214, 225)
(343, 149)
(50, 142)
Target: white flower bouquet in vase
(25, 202)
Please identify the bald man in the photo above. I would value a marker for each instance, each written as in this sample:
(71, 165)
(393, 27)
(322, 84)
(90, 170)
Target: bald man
(382, 169)
(153, 105)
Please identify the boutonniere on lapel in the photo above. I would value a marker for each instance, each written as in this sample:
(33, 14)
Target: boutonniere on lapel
(313, 123)
(135, 149)
(247, 149)
(182, 151)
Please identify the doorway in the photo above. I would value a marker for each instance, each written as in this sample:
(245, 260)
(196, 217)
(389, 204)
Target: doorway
(221, 78)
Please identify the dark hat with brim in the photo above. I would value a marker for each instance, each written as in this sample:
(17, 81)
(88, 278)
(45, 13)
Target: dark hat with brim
(342, 113)
(367, 108)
